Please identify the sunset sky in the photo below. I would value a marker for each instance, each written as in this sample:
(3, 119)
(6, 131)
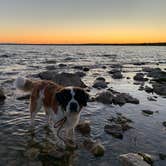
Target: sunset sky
(82, 21)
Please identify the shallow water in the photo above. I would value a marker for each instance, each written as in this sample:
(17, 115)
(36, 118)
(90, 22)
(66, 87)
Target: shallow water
(148, 134)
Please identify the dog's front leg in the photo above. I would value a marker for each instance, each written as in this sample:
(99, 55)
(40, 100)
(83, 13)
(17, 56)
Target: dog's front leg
(70, 134)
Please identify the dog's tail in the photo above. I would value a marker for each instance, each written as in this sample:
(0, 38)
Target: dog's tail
(23, 84)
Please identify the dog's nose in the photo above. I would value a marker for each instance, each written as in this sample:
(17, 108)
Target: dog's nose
(73, 107)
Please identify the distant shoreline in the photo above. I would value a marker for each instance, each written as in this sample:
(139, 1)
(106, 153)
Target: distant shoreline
(92, 44)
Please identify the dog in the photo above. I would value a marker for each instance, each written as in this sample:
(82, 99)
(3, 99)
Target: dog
(59, 102)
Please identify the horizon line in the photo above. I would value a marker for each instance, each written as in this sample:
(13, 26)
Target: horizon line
(142, 43)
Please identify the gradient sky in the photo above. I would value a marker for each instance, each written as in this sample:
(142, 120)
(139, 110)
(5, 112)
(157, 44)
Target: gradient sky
(82, 21)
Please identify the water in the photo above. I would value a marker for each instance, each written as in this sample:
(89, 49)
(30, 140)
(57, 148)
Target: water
(148, 135)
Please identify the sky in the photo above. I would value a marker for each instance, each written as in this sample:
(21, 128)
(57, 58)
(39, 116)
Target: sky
(82, 21)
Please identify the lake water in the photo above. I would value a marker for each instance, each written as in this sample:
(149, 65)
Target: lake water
(148, 134)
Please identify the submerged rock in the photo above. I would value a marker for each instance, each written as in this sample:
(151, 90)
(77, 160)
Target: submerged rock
(118, 125)
(115, 130)
(116, 73)
(2, 96)
(24, 97)
(95, 147)
(162, 156)
(32, 153)
(65, 79)
(84, 127)
(148, 89)
(140, 77)
(164, 123)
(132, 159)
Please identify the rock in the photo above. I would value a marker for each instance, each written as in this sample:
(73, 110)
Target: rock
(65, 79)
(117, 75)
(139, 63)
(148, 89)
(116, 66)
(159, 89)
(84, 127)
(78, 67)
(147, 158)
(50, 61)
(150, 98)
(86, 69)
(113, 71)
(51, 67)
(148, 112)
(100, 85)
(62, 65)
(32, 153)
(140, 77)
(132, 159)
(128, 78)
(24, 97)
(162, 156)
(123, 98)
(80, 74)
(100, 79)
(115, 130)
(105, 97)
(2, 96)
(164, 123)
(104, 67)
(95, 147)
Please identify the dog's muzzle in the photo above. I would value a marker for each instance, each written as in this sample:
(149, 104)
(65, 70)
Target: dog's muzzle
(73, 107)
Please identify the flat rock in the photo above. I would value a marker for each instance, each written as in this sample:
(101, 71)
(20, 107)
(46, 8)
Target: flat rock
(84, 127)
(95, 147)
(105, 97)
(100, 83)
(65, 79)
(148, 112)
(140, 77)
(132, 159)
(159, 88)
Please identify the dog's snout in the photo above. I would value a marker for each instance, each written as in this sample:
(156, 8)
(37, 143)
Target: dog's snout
(73, 106)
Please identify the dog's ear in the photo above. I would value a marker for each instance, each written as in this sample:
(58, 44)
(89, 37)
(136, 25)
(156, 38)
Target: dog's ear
(82, 96)
(59, 97)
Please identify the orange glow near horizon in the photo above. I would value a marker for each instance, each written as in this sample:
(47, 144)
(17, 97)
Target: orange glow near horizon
(91, 36)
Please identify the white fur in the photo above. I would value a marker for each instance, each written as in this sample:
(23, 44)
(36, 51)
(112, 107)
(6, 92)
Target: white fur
(19, 83)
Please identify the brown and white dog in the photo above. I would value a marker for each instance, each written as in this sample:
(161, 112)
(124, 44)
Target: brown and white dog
(58, 101)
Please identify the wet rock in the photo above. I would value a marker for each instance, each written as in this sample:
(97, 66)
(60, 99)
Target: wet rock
(128, 78)
(147, 112)
(164, 123)
(159, 89)
(116, 66)
(115, 130)
(104, 67)
(147, 158)
(62, 65)
(150, 98)
(80, 74)
(32, 153)
(162, 156)
(105, 97)
(51, 67)
(123, 98)
(140, 77)
(148, 89)
(2, 96)
(132, 159)
(84, 127)
(139, 63)
(95, 147)
(24, 97)
(78, 67)
(117, 75)
(50, 61)
(65, 79)
(111, 96)
(86, 69)
(100, 83)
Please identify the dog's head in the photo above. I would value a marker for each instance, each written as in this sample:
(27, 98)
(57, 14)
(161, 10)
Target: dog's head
(72, 99)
